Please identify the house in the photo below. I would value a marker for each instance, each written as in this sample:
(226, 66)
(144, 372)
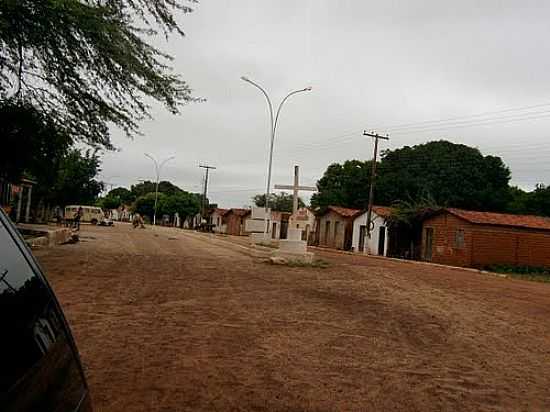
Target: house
(335, 227)
(379, 239)
(279, 224)
(192, 221)
(217, 220)
(477, 239)
(235, 221)
(303, 219)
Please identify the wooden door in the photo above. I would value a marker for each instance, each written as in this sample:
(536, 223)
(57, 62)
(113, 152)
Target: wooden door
(428, 243)
(382, 241)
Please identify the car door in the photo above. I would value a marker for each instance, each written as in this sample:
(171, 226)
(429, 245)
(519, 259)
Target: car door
(40, 368)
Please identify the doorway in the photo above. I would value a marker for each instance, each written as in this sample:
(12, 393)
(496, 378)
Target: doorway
(362, 234)
(428, 243)
(382, 241)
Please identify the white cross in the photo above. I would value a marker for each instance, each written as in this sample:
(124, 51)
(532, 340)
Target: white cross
(295, 188)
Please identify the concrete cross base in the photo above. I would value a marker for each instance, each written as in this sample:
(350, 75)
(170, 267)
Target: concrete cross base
(306, 257)
(260, 239)
(293, 246)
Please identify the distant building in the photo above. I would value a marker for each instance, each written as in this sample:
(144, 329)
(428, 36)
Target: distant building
(379, 239)
(235, 221)
(467, 238)
(279, 224)
(303, 219)
(217, 220)
(335, 227)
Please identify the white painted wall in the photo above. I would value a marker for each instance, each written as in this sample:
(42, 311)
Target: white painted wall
(371, 246)
(217, 221)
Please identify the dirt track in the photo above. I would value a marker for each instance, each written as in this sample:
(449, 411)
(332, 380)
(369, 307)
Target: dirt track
(169, 321)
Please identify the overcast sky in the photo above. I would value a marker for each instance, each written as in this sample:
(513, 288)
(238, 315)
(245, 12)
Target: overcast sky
(372, 65)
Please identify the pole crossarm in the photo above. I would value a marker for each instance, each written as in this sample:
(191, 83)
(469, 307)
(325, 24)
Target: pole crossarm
(291, 187)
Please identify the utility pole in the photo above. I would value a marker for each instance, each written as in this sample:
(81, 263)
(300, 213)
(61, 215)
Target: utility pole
(376, 136)
(205, 192)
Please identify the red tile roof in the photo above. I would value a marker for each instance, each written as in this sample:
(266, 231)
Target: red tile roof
(219, 210)
(501, 219)
(382, 211)
(238, 212)
(345, 211)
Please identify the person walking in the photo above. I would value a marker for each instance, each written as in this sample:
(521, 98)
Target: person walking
(77, 218)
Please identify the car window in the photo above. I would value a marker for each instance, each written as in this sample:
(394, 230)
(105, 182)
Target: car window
(38, 366)
(23, 300)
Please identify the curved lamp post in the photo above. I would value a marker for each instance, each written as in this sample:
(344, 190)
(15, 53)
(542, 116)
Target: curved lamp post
(158, 167)
(273, 129)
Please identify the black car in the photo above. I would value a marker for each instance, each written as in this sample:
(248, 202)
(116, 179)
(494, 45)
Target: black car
(40, 369)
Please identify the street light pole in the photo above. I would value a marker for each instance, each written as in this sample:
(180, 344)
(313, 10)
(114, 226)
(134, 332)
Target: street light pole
(272, 139)
(157, 171)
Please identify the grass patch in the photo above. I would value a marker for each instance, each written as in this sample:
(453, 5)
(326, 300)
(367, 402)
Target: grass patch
(533, 273)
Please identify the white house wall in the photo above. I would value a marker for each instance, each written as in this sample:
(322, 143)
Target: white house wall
(372, 243)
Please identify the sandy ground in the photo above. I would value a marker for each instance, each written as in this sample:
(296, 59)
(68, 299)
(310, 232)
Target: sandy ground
(168, 320)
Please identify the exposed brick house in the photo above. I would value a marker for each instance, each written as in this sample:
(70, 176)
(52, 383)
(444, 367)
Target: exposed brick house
(335, 227)
(235, 221)
(476, 239)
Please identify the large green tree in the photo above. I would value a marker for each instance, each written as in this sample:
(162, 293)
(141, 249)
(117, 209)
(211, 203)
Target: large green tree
(344, 184)
(76, 180)
(147, 186)
(87, 64)
(183, 203)
(280, 202)
(450, 174)
(31, 144)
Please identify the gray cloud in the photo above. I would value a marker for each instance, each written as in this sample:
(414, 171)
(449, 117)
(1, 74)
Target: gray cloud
(371, 64)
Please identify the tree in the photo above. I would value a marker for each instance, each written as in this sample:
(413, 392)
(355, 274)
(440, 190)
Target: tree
(281, 202)
(150, 187)
(125, 196)
(536, 202)
(183, 203)
(85, 64)
(145, 205)
(450, 174)
(75, 182)
(345, 185)
(31, 144)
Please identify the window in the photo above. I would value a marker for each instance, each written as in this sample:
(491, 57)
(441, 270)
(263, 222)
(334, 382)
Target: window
(459, 238)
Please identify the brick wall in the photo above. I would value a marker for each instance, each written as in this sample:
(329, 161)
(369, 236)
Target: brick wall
(445, 250)
(485, 244)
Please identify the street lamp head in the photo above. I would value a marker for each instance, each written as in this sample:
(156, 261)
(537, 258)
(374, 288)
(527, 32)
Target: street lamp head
(308, 89)
(246, 79)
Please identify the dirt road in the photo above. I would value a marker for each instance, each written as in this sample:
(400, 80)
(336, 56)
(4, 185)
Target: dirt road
(167, 320)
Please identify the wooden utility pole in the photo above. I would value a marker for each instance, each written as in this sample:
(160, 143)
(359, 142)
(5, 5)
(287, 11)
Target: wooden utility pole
(205, 191)
(376, 136)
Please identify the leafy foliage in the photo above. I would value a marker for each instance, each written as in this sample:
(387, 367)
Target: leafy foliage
(85, 64)
(280, 202)
(536, 202)
(75, 182)
(182, 202)
(345, 185)
(117, 197)
(31, 144)
(447, 173)
(150, 187)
